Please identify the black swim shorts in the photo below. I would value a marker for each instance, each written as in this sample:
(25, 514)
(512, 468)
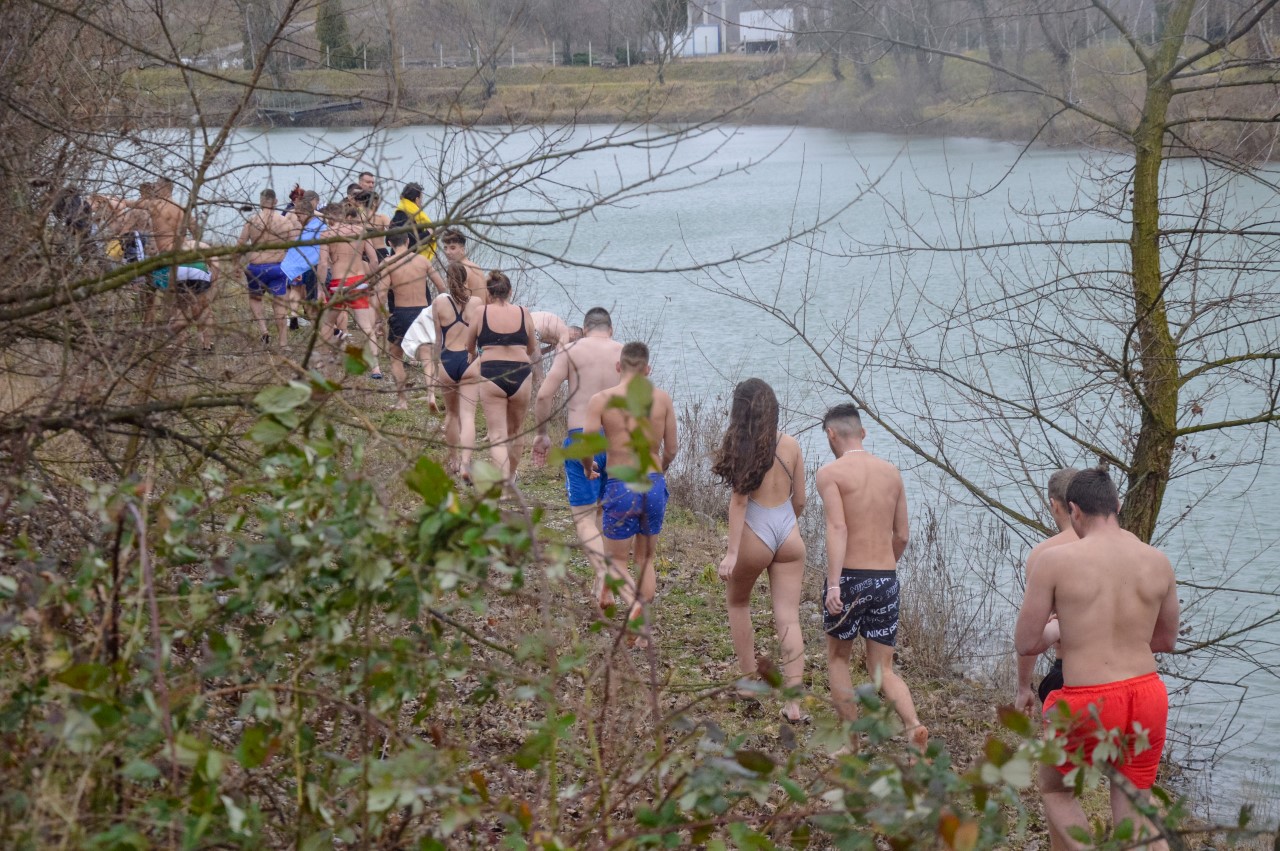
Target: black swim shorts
(399, 321)
(869, 603)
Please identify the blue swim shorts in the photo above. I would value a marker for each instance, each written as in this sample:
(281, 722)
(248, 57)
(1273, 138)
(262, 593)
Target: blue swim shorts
(627, 513)
(581, 490)
(265, 277)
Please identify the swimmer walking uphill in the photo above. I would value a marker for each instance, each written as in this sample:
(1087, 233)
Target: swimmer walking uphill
(639, 425)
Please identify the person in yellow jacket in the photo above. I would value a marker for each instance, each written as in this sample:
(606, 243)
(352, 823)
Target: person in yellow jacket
(409, 211)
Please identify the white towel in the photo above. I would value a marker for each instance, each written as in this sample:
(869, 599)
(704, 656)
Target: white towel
(421, 333)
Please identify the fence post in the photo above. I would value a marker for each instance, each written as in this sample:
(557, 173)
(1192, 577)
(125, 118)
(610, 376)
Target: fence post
(366, 57)
(628, 53)
(327, 63)
(589, 62)
(513, 56)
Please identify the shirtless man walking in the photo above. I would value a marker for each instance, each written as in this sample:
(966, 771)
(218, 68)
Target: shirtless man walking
(403, 276)
(589, 366)
(866, 512)
(263, 274)
(455, 251)
(1058, 483)
(347, 265)
(1117, 605)
(631, 517)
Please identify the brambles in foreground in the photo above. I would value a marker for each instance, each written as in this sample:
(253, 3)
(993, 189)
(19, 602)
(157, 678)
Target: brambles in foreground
(289, 660)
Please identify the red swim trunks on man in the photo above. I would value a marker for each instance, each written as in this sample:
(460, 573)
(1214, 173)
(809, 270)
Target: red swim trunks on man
(1139, 699)
(350, 292)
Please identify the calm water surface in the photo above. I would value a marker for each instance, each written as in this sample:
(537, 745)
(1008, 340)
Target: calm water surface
(771, 181)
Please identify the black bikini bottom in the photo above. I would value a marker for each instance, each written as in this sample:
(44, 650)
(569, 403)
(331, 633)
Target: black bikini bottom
(454, 363)
(509, 375)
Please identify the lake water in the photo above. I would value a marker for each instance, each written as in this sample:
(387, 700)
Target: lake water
(673, 238)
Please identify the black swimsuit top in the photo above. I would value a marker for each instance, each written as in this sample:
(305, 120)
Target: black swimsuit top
(457, 317)
(488, 337)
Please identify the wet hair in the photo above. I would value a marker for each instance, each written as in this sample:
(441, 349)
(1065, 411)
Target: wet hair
(575, 332)
(845, 419)
(412, 192)
(499, 285)
(398, 239)
(1059, 482)
(453, 237)
(455, 276)
(1093, 492)
(635, 356)
(597, 317)
(353, 189)
(364, 198)
(751, 441)
(267, 196)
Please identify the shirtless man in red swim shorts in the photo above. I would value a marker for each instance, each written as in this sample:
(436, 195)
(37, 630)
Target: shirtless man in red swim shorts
(1117, 605)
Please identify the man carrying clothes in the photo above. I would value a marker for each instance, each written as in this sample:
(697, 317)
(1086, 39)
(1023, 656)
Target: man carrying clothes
(403, 287)
(301, 261)
(589, 366)
(263, 275)
(630, 516)
(409, 214)
(866, 512)
(553, 335)
(1117, 605)
(1058, 484)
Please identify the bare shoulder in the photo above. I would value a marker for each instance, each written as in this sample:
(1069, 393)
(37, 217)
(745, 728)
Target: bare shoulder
(825, 473)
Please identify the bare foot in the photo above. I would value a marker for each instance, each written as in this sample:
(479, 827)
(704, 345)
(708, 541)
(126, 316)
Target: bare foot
(432, 404)
(918, 736)
(401, 405)
(793, 714)
(847, 750)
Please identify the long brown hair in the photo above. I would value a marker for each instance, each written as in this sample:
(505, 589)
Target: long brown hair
(456, 275)
(751, 440)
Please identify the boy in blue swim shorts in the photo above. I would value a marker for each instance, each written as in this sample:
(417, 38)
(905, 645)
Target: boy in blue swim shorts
(633, 510)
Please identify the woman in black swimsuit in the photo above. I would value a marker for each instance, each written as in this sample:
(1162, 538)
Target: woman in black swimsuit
(454, 313)
(505, 333)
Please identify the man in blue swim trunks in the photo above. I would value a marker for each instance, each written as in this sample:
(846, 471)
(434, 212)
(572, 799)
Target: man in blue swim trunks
(589, 365)
(633, 510)
(263, 275)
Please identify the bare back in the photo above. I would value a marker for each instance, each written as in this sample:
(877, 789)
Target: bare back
(477, 283)
(659, 427)
(1110, 591)
(406, 276)
(167, 220)
(450, 333)
(348, 259)
(590, 366)
(873, 503)
(267, 226)
(780, 484)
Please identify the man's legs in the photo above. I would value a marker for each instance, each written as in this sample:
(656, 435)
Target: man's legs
(586, 522)
(259, 311)
(431, 371)
(1122, 808)
(880, 666)
(280, 310)
(839, 680)
(617, 552)
(397, 373)
(1062, 809)
(367, 322)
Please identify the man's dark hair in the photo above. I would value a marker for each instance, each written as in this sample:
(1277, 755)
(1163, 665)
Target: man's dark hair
(362, 175)
(364, 198)
(353, 189)
(843, 418)
(267, 196)
(596, 317)
(1093, 492)
(635, 355)
(398, 239)
(412, 192)
(453, 237)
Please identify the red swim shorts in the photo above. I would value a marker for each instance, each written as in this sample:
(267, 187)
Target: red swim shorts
(1139, 699)
(350, 292)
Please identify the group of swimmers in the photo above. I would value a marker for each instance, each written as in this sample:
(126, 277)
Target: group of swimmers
(1103, 599)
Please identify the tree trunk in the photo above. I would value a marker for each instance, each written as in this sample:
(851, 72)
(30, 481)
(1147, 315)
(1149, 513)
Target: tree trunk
(1157, 378)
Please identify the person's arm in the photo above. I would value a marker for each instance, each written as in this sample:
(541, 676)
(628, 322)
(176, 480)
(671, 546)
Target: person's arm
(434, 277)
(799, 493)
(670, 442)
(837, 537)
(901, 532)
(1164, 638)
(542, 406)
(531, 337)
(592, 425)
(1024, 699)
(1037, 606)
(737, 519)
(473, 331)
